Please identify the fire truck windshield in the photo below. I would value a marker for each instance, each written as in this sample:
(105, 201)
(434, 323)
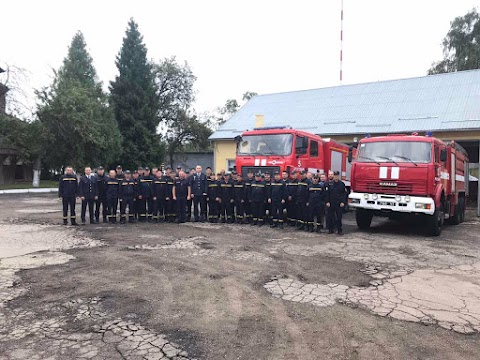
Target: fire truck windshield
(395, 151)
(272, 144)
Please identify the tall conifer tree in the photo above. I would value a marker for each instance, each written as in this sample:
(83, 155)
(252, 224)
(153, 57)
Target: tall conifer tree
(135, 101)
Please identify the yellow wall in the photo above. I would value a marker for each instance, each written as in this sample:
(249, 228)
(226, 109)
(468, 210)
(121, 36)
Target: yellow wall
(223, 150)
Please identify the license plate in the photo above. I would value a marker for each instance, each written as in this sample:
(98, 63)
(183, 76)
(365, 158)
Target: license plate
(386, 203)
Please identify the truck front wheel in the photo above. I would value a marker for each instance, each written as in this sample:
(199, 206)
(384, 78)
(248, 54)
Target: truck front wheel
(364, 218)
(436, 222)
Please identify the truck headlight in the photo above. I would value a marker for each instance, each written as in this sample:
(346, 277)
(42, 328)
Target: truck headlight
(354, 201)
(407, 198)
(374, 196)
(398, 198)
(423, 206)
(365, 196)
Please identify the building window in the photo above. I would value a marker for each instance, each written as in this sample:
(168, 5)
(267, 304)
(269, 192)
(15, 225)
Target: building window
(230, 164)
(313, 148)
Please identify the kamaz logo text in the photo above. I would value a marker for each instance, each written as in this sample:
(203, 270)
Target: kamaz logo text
(391, 184)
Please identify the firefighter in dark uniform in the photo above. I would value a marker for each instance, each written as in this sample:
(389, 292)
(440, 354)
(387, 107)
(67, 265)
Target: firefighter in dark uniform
(277, 193)
(301, 201)
(119, 173)
(239, 195)
(292, 186)
(111, 194)
(213, 198)
(268, 207)
(170, 210)
(101, 199)
(87, 191)
(119, 176)
(145, 196)
(127, 197)
(181, 194)
(136, 177)
(248, 204)
(258, 195)
(199, 185)
(336, 200)
(159, 189)
(68, 190)
(227, 199)
(286, 181)
(317, 196)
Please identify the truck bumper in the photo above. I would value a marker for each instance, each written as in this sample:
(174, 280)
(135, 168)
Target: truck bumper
(392, 203)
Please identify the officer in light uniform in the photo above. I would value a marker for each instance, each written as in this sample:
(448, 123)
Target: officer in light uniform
(87, 189)
(199, 186)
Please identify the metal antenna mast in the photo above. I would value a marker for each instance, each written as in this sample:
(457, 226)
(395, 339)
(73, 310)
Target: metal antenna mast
(341, 44)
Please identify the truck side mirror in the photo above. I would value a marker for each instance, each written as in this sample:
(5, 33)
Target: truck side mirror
(350, 154)
(443, 155)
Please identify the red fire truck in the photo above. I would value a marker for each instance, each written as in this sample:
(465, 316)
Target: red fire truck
(404, 175)
(283, 148)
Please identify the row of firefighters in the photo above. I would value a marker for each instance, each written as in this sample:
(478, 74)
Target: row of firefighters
(298, 199)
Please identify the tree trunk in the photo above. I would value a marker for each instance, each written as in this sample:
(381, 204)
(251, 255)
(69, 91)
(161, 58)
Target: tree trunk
(37, 169)
(170, 156)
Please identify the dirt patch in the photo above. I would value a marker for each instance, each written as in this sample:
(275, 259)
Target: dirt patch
(214, 306)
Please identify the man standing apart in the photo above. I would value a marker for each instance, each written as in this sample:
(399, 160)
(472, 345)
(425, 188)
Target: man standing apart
(336, 198)
(87, 190)
(68, 190)
(199, 186)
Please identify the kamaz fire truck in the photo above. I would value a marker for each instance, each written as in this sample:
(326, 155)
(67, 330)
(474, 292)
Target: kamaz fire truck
(275, 149)
(404, 175)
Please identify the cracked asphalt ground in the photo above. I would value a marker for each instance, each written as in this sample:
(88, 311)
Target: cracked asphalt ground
(202, 291)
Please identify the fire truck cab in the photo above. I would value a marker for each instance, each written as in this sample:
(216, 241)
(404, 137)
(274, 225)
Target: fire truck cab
(409, 175)
(280, 149)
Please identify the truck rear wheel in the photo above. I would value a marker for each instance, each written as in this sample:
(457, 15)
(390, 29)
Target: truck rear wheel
(436, 221)
(459, 215)
(364, 218)
(456, 218)
(461, 205)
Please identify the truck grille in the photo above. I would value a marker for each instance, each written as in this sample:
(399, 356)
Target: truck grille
(401, 188)
(260, 169)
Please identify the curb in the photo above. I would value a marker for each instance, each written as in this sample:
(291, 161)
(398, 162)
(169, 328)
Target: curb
(28, 191)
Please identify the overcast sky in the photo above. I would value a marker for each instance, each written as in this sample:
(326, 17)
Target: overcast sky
(235, 46)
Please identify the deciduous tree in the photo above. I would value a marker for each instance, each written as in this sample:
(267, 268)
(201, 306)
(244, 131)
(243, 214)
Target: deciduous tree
(79, 124)
(461, 46)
